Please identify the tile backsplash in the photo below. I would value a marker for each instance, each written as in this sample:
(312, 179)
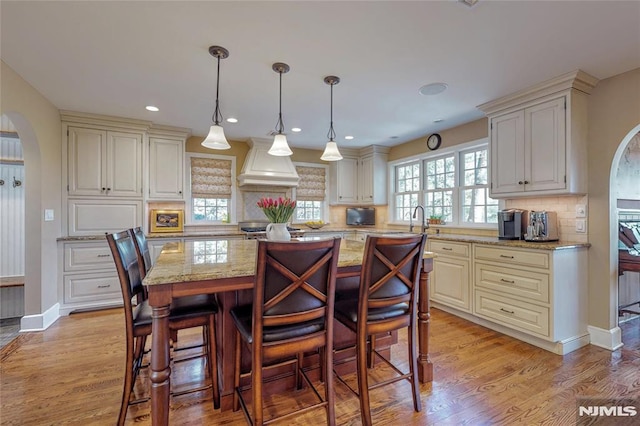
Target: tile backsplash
(564, 206)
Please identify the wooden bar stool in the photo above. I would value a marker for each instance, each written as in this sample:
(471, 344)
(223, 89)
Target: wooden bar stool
(185, 312)
(292, 313)
(387, 301)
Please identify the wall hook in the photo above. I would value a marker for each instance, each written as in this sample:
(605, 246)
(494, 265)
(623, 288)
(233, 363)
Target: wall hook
(16, 182)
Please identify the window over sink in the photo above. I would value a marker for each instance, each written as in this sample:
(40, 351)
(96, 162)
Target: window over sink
(452, 184)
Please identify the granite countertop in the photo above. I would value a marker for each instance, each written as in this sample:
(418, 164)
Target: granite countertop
(540, 245)
(182, 261)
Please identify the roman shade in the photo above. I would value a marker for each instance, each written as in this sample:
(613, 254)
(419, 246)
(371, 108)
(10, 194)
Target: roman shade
(210, 178)
(312, 183)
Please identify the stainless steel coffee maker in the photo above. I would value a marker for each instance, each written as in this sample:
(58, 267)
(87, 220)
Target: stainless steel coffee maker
(542, 226)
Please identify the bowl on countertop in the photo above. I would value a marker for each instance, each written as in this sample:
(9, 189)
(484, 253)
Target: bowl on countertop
(315, 225)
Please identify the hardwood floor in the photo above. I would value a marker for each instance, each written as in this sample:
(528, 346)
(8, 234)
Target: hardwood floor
(72, 374)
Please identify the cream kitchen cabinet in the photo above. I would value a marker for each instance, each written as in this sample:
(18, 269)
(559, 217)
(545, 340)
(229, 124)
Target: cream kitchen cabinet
(537, 293)
(450, 281)
(88, 276)
(166, 164)
(104, 163)
(360, 178)
(538, 138)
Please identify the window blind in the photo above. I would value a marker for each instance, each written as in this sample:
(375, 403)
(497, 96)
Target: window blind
(210, 178)
(311, 186)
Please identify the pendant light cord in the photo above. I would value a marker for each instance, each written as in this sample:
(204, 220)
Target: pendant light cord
(332, 134)
(280, 124)
(217, 116)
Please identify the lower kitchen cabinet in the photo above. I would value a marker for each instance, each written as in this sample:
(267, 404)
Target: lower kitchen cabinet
(537, 293)
(450, 281)
(88, 277)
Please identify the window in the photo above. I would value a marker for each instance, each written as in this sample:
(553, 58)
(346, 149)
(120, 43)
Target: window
(211, 188)
(408, 189)
(452, 186)
(311, 192)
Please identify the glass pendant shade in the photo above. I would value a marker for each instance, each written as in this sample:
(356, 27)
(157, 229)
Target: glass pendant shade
(280, 147)
(331, 152)
(216, 139)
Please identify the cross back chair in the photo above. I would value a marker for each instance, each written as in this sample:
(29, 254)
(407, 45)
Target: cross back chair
(187, 312)
(387, 301)
(292, 313)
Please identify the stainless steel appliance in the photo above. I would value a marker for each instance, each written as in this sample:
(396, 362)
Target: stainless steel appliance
(258, 230)
(542, 226)
(511, 224)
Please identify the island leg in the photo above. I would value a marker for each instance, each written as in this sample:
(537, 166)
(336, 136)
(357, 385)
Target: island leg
(160, 299)
(425, 367)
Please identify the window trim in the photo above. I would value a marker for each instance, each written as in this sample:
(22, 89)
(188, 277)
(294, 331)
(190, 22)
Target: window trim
(456, 150)
(325, 202)
(189, 200)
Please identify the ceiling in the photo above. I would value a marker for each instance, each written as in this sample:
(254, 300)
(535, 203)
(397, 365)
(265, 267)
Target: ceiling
(115, 58)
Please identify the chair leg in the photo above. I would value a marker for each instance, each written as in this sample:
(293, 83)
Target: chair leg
(326, 362)
(236, 372)
(128, 382)
(363, 382)
(413, 366)
(322, 353)
(371, 356)
(256, 389)
(212, 360)
(299, 378)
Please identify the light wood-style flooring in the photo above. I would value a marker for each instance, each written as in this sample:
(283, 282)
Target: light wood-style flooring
(72, 374)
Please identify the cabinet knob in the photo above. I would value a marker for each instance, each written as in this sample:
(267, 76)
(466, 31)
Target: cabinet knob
(520, 182)
(526, 182)
(108, 189)
(104, 286)
(104, 189)
(179, 192)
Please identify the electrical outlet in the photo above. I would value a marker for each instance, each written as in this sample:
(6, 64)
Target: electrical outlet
(48, 215)
(581, 226)
(581, 210)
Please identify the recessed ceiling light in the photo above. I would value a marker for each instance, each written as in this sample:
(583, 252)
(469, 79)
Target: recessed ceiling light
(432, 89)
(438, 120)
(152, 108)
(348, 137)
(232, 120)
(296, 129)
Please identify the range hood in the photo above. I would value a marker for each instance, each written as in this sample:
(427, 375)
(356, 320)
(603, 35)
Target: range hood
(260, 168)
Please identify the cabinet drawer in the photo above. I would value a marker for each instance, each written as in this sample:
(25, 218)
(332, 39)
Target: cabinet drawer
(92, 287)
(530, 285)
(535, 258)
(450, 248)
(88, 257)
(512, 313)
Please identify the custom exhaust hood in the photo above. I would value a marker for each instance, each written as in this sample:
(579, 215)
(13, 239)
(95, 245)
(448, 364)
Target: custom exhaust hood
(262, 169)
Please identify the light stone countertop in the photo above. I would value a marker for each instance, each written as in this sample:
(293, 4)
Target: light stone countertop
(190, 261)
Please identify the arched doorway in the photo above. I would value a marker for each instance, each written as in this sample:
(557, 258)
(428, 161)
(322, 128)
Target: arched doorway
(32, 220)
(625, 217)
(12, 228)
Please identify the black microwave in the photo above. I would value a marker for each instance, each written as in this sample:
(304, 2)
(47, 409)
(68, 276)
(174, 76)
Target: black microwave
(361, 216)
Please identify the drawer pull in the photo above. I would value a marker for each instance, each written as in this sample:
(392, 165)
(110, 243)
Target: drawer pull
(447, 249)
(505, 256)
(104, 286)
(509, 312)
(104, 255)
(507, 281)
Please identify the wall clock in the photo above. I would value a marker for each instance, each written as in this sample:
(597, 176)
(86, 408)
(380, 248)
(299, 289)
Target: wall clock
(434, 141)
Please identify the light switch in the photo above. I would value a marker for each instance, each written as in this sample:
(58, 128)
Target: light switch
(581, 226)
(48, 215)
(581, 210)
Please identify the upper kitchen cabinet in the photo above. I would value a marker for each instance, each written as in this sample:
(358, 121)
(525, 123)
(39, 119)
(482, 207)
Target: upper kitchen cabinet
(538, 138)
(166, 163)
(103, 159)
(360, 177)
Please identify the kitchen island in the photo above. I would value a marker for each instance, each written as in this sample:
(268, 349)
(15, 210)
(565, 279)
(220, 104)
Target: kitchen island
(227, 267)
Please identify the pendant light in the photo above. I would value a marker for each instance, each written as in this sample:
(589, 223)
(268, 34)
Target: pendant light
(280, 147)
(331, 152)
(216, 139)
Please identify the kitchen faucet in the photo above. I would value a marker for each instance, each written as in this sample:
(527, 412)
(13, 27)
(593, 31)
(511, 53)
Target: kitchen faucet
(425, 225)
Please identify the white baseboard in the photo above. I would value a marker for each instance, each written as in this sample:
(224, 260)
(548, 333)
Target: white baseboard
(41, 321)
(608, 339)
